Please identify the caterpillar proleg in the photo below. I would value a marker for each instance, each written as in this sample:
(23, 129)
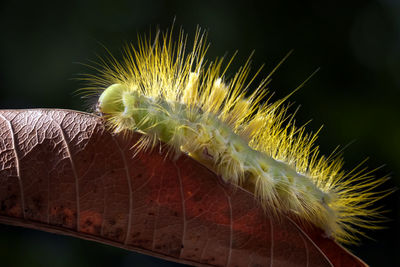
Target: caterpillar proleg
(174, 96)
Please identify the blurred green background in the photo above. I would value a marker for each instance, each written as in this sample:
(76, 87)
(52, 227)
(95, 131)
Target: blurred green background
(356, 45)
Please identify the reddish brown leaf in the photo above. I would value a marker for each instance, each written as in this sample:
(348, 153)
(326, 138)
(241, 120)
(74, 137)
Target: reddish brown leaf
(62, 172)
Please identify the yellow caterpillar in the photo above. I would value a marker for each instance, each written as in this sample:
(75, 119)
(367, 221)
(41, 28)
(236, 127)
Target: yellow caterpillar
(175, 97)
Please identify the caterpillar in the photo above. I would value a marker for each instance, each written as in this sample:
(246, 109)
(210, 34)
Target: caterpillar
(174, 96)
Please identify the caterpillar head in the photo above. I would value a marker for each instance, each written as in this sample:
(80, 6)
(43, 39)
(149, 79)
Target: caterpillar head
(118, 103)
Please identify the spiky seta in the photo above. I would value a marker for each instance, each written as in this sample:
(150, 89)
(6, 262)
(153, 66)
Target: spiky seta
(173, 96)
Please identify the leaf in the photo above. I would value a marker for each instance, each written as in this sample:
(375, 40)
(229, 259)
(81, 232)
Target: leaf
(63, 172)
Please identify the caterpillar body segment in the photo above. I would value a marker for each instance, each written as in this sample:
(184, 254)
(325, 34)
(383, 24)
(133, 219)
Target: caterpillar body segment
(176, 98)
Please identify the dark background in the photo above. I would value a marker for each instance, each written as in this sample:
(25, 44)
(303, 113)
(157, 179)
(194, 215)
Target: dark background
(356, 45)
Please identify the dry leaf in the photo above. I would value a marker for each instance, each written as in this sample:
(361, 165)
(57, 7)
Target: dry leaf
(63, 172)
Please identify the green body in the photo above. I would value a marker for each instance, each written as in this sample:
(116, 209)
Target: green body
(213, 143)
